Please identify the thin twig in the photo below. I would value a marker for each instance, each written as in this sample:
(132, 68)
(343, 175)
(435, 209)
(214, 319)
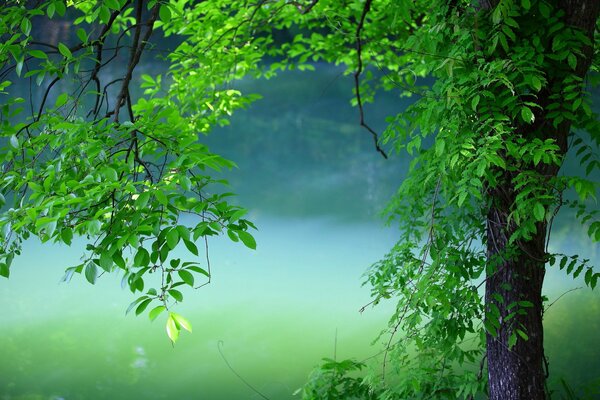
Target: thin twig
(357, 73)
(559, 297)
(245, 382)
(136, 52)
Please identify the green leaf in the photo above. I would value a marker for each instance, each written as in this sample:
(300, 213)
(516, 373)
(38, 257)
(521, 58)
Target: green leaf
(112, 4)
(104, 14)
(588, 276)
(14, 142)
(185, 182)
(536, 83)
(527, 115)
(4, 270)
(142, 200)
(93, 227)
(61, 100)
(182, 322)
(64, 50)
(106, 261)
(475, 102)
(512, 340)
(176, 294)
(91, 272)
(172, 328)
(117, 258)
(50, 10)
(526, 4)
(237, 215)
(232, 235)
(247, 239)
(142, 258)
(544, 9)
(198, 270)
(539, 212)
(164, 13)
(140, 309)
(184, 232)
(82, 35)
(133, 303)
(38, 54)
(572, 61)
(161, 197)
(19, 66)
(191, 247)
(187, 277)
(26, 26)
(523, 335)
(61, 9)
(67, 235)
(155, 312)
(172, 238)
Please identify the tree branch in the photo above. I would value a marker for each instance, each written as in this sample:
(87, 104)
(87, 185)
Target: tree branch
(136, 52)
(357, 73)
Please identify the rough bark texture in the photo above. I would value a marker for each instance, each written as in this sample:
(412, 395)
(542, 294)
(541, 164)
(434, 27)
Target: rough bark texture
(515, 373)
(518, 373)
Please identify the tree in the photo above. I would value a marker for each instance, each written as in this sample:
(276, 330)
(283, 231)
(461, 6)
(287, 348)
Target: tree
(502, 99)
(92, 162)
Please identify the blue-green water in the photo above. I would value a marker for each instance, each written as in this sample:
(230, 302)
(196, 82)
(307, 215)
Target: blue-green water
(314, 185)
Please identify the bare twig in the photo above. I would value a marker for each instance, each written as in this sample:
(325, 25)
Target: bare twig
(136, 52)
(245, 382)
(357, 73)
(561, 296)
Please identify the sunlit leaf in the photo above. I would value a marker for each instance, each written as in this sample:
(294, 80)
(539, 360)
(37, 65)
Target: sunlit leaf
(64, 50)
(172, 328)
(182, 322)
(155, 312)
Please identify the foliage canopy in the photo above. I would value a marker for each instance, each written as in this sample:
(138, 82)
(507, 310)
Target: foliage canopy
(501, 100)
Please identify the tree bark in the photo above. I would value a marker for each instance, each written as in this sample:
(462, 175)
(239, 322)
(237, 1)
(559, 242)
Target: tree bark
(518, 373)
(515, 373)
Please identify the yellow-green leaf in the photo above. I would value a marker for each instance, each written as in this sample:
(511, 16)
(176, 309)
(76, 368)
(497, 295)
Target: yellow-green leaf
(64, 50)
(182, 322)
(172, 328)
(155, 312)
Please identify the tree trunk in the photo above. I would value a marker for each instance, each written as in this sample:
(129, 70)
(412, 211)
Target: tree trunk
(518, 373)
(515, 373)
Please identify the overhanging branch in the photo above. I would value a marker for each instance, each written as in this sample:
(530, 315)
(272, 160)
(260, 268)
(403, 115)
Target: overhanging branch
(359, 69)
